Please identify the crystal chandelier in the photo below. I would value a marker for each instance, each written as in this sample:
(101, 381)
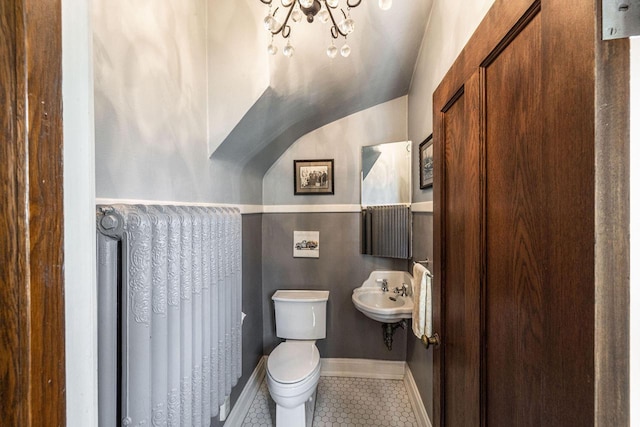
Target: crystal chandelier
(327, 11)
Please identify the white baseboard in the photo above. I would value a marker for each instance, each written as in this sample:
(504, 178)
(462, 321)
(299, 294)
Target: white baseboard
(241, 408)
(363, 368)
(416, 401)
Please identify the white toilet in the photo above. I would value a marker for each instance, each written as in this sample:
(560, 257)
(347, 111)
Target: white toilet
(293, 367)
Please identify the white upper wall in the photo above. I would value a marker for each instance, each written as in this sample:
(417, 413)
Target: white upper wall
(342, 141)
(450, 26)
(238, 64)
(150, 100)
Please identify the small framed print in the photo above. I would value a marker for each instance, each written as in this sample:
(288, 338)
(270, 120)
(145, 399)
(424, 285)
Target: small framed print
(425, 156)
(312, 177)
(306, 244)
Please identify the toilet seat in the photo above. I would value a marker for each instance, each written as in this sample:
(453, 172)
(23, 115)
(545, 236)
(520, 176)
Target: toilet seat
(293, 361)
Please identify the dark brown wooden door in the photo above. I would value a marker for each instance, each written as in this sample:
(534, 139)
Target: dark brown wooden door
(523, 286)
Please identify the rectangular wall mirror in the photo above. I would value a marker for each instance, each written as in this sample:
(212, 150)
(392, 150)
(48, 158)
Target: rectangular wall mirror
(386, 199)
(386, 174)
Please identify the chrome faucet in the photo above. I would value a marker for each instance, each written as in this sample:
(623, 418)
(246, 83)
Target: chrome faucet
(403, 290)
(385, 284)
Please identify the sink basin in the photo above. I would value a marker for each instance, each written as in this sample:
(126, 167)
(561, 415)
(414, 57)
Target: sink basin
(379, 300)
(385, 307)
(380, 306)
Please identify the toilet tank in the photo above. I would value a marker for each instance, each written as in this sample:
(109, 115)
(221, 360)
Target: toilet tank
(301, 315)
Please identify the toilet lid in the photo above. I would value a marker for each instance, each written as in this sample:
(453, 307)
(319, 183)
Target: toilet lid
(293, 361)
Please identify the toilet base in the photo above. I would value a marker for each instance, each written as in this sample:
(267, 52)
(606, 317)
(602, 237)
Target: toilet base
(300, 416)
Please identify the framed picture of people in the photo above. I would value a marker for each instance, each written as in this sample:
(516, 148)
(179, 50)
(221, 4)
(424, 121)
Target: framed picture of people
(312, 177)
(425, 155)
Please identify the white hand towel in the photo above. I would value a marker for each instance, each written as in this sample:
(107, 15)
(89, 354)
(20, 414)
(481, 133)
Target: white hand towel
(421, 286)
(428, 283)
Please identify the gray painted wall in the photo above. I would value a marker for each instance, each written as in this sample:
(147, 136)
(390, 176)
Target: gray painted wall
(339, 270)
(420, 359)
(252, 341)
(251, 302)
(340, 267)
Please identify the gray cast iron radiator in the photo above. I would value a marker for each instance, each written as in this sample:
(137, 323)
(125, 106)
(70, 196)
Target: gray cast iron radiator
(386, 231)
(169, 313)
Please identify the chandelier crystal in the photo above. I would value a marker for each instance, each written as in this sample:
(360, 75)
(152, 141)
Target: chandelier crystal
(328, 12)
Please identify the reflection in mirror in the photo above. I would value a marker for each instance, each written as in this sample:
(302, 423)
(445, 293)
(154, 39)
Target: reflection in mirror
(386, 199)
(386, 174)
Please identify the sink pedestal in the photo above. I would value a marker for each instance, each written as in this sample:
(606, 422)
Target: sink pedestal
(387, 332)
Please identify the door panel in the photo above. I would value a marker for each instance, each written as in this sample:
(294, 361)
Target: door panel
(461, 258)
(515, 231)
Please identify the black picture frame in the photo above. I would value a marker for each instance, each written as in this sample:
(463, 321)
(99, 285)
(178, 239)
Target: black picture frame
(425, 162)
(313, 177)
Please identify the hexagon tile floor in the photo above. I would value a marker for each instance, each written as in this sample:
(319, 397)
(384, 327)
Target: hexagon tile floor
(345, 402)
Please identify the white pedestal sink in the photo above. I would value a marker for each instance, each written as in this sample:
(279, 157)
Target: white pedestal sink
(385, 307)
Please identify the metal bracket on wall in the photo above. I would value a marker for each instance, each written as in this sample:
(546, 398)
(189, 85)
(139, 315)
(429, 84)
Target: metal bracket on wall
(620, 19)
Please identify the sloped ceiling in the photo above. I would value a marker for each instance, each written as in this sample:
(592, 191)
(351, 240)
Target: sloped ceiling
(309, 90)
